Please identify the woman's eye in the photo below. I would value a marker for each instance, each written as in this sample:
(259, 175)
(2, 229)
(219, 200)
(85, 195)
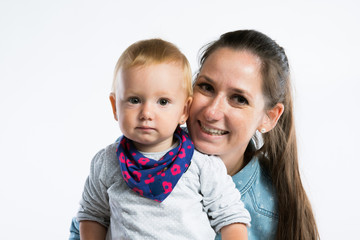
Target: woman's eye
(134, 100)
(163, 101)
(238, 99)
(205, 87)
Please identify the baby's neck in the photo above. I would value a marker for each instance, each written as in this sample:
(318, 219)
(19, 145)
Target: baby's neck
(158, 155)
(157, 147)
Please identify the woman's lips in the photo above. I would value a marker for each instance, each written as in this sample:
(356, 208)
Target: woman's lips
(212, 131)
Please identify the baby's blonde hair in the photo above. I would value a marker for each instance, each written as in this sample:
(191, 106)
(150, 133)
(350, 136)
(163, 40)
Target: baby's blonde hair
(153, 51)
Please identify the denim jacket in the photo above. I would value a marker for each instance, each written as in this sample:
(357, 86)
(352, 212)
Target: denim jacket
(260, 200)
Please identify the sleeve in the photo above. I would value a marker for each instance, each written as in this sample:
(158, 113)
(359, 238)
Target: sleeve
(221, 198)
(94, 205)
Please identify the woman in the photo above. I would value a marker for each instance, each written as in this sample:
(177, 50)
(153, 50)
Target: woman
(243, 87)
(242, 111)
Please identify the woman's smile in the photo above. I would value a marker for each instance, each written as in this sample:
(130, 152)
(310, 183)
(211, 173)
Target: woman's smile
(212, 130)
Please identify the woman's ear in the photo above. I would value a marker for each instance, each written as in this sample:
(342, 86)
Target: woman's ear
(271, 118)
(186, 111)
(113, 104)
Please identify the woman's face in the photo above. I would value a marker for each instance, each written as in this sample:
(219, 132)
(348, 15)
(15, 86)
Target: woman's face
(228, 104)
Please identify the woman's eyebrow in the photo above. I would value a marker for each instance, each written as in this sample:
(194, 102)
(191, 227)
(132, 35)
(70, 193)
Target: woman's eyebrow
(233, 89)
(241, 91)
(207, 78)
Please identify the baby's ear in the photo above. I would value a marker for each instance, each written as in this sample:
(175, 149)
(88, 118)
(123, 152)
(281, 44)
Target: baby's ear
(186, 112)
(113, 104)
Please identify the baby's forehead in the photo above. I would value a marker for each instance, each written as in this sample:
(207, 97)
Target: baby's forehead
(155, 73)
(168, 71)
(173, 72)
(151, 64)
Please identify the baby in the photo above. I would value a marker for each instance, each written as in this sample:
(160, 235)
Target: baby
(153, 184)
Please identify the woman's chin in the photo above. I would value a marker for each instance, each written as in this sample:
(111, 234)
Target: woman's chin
(206, 147)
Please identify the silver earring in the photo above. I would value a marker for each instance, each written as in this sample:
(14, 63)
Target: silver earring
(263, 130)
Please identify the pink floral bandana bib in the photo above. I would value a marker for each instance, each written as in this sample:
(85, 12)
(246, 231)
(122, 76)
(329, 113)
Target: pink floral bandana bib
(150, 178)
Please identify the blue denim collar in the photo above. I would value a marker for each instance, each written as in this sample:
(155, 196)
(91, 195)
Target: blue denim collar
(247, 176)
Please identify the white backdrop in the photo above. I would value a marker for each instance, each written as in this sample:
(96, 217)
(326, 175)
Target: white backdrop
(56, 65)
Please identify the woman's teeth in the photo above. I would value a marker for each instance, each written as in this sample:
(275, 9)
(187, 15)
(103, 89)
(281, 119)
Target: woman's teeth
(213, 131)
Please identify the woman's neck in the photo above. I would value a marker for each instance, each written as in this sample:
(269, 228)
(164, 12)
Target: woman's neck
(233, 163)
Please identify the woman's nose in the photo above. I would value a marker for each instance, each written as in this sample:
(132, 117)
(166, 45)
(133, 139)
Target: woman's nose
(215, 109)
(146, 112)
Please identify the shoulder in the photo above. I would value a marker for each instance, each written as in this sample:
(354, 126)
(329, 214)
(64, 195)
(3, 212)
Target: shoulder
(261, 191)
(205, 166)
(259, 197)
(264, 181)
(204, 162)
(264, 205)
(212, 172)
(105, 156)
(256, 188)
(105, 164)
(263, 187)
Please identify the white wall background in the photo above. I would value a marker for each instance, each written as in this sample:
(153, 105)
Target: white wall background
(56, 63)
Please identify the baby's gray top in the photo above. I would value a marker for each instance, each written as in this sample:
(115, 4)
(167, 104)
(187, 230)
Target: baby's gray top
(205, 199)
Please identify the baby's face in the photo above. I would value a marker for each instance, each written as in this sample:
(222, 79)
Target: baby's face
(151, 101)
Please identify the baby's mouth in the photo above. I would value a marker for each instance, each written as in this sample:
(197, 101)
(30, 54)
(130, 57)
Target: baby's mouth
(212, 131)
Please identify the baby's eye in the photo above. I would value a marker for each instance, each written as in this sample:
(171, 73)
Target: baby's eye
(205, 87)
(134, 100)
(240, 100)
(163, 101)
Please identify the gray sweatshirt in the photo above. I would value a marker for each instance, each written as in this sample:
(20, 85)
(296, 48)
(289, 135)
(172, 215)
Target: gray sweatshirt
(205, 199)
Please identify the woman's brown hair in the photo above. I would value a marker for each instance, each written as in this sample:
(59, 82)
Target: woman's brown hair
(279, 150)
